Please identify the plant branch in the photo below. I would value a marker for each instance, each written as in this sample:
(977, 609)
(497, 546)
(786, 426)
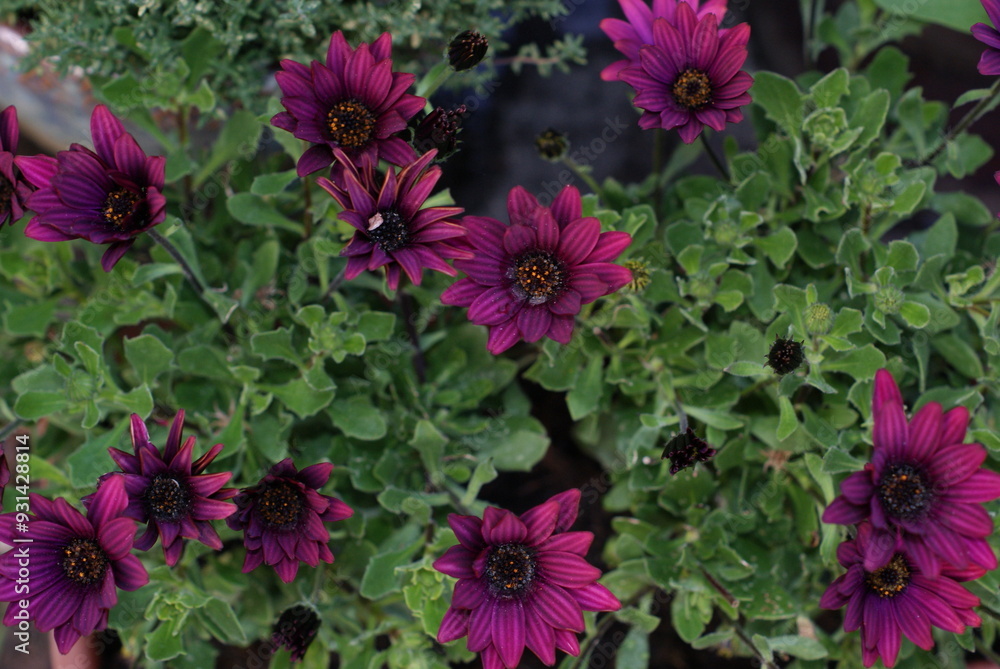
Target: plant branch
(714, 158)
(179, 259)
(971, 117)
(606, 622)
(419, 363)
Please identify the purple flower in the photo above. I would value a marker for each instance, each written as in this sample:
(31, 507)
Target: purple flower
(170, 493)
(690, 77)
(529, 279)
(282, 518)
(989, 62)
(888, 596)
(76, 563)
(107, 197)
(393, 231)
(4, 474)
(295, 630)
(923, 484)
(355, 103)
(522, 581)
(637, 30)
(14, 190)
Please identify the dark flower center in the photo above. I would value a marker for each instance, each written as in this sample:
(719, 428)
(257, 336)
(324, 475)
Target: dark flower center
(351, 124)
(539, 275)
(6, 192)
(785, 355)
(280, 505)
(903, 492)
(84, 561)
(693, 89)
(510, 568)
(166, 498)
(389, 230)
(890, 580)
(118, 206)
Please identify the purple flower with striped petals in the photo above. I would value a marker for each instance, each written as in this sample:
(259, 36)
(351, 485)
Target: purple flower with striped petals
(282, 518)
(394, 229)
(170, 493)
(922, 484)
(690, 77)
(888, 596)
(77, 563)
(107, 196)
(636, 31)
(529, 279)
(522, 582)
(355, 102)
(4, 474)
(14, 190)
(989, 62)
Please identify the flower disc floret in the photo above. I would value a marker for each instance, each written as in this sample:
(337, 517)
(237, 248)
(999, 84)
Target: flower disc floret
(84, 561)
(510, 568)
(280, 504)
(166, 498)
(904, 493)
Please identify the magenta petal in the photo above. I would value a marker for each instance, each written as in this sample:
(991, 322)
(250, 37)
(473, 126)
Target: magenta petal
(886, 391)
(570, 542)
(555, 606)
(508, 630)
(595, 597)
(470, 593)
(105, 129)
(889, 431)
(567, 206)
(540, 522)
(534, 322)
(468, 529)
(108, 502)
(539, 638)
(567, 569)
(842, 512)
(924, 431)
(858, 487)
(954, 425)
(454, 625)
(480, 622)
(510, 530)
(456, 562)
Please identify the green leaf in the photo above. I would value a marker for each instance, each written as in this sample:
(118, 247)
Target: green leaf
(837, 461)
(29, 320)
(483, 474)
(254, 210)
(222, 623)
(827, 91)
(300, 397)
(91, 459)
(238, 139)
(272, 184)
(376, 325)
(915, 314)
(161, 645)
(357, 418)
(430, 443)
(955, 14)
(380, 577)
(154, 271)
(959, 355)
(861, 363)
(781, 100)
(138, 400)
(787, 421)
(276, 345)
(148, 356)
(779, 247)
(585, 396)
(746, 368)
(799, 646)
(36, 404)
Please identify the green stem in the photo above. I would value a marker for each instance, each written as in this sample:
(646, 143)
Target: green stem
(659, 139)
(582, 173)
(334, 285)
(764, 662)
(435, 83)
(714, 158)
(603, 626)
(419, 363)
(179, 259)
(9, 428)
(971, 117)
(307, 219)
(182, 135)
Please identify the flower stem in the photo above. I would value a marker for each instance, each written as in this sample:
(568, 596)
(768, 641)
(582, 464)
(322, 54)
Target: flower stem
(307, 219)
(9, 428)
(971, 117)
(176, 255)
(582, 173)
(714, 158)
(419, 363)
(603, 626)
(659, 139)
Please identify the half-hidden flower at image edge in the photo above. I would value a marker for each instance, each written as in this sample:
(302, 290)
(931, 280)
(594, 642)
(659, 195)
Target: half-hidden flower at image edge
(922, 483)
(636, 30)
(690, 77)
(989, 62)
(888, 596)
(14, 190)
(355, 102)
(77, 562)
(171, 494)
(393, 231)
(528, 279)
(522, 582)
(4, 474)
(107, 196)
(282, 518)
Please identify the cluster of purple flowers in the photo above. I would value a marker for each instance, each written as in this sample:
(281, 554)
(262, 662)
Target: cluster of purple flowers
(79, 561)
(920, 528)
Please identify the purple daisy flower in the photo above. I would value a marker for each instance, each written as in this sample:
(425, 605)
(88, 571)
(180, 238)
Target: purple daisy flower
(4, 474)
(989, 62)
(355, 103)
(529, 279)
(107, 196)
(393, 231)
(295, 630)
(522, 581)
(888, 596)
(923, 484)
(282, 518)
(636, 31)
(77, 562)
(690, 76)
(169, 493)
(14, 190)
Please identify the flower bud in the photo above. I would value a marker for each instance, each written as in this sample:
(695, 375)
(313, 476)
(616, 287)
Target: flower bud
(439, 130)
(467, 50)
(819, 318)
(552, 145)
(785, 355)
